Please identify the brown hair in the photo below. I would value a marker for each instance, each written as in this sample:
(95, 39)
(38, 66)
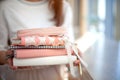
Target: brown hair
(57, 7)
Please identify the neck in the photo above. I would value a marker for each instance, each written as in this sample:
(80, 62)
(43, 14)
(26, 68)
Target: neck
(33, 0)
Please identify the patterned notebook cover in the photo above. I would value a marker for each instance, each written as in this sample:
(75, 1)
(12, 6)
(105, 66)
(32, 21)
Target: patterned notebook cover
(37, 40)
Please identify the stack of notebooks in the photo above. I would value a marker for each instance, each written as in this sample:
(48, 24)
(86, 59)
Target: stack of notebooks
(39, 47)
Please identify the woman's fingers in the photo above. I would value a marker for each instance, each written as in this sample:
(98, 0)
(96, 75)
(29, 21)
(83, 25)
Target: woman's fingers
(10, 62)
(76, 63)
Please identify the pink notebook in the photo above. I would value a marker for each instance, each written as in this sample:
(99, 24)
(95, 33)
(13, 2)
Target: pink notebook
(32, 53)
(50, 31)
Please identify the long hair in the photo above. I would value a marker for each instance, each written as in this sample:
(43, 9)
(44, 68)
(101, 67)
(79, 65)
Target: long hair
(57, 8)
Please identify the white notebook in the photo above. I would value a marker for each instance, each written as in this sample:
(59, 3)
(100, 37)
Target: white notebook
(54, 60)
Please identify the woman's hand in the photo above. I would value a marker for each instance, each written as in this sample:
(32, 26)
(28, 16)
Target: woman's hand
(10, 62)
(3, 57)
(10, 59)
(77, 62)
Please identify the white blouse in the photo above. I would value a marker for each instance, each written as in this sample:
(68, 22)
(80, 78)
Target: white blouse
(20, 14)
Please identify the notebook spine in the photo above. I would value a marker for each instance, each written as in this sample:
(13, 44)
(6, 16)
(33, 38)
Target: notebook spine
(36, 47)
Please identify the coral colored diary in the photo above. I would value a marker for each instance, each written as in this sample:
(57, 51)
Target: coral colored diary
(34, 53)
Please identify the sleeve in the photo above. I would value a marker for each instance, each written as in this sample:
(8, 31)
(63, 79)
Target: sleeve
(68, 20)
(3, 30)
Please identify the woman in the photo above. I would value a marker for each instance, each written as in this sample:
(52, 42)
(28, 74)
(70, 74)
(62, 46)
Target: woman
(24, 14)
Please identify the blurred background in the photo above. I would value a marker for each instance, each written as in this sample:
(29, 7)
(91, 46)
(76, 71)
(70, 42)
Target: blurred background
(96, 27)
